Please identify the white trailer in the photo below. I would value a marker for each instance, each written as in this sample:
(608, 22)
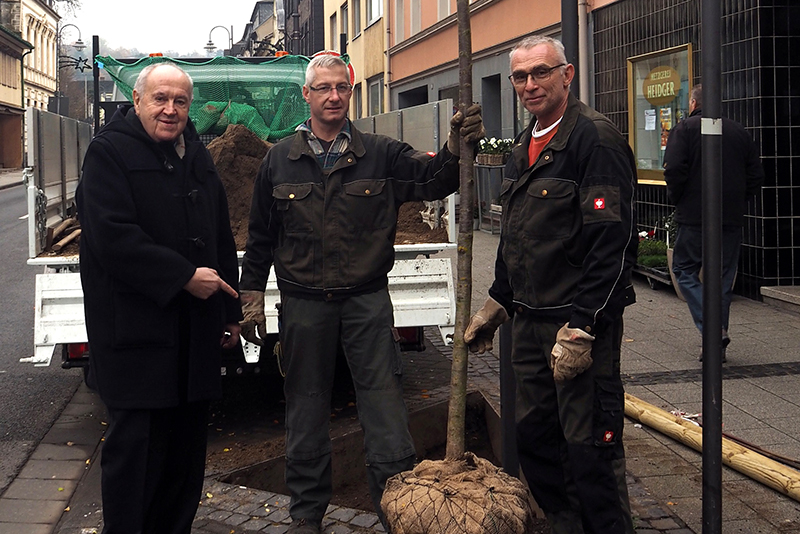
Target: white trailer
(421, 286)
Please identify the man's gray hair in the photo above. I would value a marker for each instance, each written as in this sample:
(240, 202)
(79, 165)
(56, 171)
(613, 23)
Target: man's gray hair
(141, 80)
(322, 61)
(697, 95)
(535, 40)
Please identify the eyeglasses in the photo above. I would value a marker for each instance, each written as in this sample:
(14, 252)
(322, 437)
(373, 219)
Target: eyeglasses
(325, 90)
(539, 74)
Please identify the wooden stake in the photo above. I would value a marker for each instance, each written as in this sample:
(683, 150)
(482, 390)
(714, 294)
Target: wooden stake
(756, 466)
(63, 225)
(67, 240)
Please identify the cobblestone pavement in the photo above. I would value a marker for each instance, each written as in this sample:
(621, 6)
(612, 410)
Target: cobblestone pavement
(761, 404)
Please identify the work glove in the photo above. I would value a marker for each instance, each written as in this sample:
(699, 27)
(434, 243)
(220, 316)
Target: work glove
(572, 353)
(480, 330)
(471, 129)
(255, 322)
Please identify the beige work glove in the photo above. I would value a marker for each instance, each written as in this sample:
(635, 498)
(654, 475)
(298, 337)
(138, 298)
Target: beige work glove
(572, 353)
(470, 128)
(254, 325)
(480, 330)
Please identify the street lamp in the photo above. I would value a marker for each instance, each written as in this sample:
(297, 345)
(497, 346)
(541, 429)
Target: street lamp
(210, 46)
(78, 45)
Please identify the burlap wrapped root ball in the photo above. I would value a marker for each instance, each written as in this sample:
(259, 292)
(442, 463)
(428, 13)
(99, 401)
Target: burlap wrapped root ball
(466, 496)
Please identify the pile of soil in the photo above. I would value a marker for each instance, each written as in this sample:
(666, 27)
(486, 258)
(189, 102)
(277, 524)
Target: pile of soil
(412, 229)
(237, 154)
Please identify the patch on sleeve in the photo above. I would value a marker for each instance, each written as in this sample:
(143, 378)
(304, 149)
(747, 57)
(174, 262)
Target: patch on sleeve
(600, 203)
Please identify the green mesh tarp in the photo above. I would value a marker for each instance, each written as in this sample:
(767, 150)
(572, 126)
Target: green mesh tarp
(266, 97)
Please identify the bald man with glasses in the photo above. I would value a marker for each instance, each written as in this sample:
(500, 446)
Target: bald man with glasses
(563, 277)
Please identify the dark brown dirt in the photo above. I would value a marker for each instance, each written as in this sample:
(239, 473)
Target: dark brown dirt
(237, 155)
(412, 229)
(245, 430)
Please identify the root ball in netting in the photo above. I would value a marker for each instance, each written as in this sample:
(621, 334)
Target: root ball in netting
(466, 496)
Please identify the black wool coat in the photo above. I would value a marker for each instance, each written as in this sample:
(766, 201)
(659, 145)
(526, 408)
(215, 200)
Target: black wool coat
(149, 219)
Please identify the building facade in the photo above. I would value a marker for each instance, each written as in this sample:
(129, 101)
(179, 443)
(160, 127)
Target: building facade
(423, 56)
(357, 27)
(40, 68)
(13, 48)
(264, 33)
(306, 26)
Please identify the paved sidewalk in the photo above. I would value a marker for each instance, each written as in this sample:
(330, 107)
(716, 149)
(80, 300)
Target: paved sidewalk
(10, 178)
(761, 393)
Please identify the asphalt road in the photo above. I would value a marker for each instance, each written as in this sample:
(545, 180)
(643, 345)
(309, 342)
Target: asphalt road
(31, 398)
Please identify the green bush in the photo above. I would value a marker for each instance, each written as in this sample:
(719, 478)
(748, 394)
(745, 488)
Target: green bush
(652, 247)
(652, 261)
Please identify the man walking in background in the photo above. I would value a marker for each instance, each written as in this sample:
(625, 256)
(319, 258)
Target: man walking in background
(742, 175)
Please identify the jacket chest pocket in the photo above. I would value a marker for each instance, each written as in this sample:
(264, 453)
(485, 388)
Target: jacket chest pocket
(294, 203)
(548, 208)
(367, 204)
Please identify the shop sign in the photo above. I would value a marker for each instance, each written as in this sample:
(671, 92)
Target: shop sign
(661, 85)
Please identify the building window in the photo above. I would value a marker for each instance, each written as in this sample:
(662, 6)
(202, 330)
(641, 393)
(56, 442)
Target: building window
(444, 8)
(334, 33)
(357, 98)
(8, 74)
(416, 16)
(399, 21)
(356, 17)
(375, 96)
(374, 10)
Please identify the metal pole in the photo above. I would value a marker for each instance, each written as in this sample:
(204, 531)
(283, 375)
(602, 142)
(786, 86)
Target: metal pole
(508, 396)
(582, 81)
(711, 146)
(96, 82)
(569, 36)
(58, 69)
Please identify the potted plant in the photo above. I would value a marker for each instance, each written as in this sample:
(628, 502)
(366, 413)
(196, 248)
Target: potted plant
(493, 151)
(652, 253)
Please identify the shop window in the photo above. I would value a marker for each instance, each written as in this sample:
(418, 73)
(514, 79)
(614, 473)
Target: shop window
(658, 98)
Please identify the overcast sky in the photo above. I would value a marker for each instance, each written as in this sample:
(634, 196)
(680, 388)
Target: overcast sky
(159, 25)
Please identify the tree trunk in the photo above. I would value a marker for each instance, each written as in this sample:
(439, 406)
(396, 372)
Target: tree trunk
(458, 378)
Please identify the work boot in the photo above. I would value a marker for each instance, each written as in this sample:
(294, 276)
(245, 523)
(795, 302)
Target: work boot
(725, 342)
(303, 526)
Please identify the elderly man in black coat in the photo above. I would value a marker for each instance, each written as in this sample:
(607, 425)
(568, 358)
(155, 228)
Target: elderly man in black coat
(159, 274)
